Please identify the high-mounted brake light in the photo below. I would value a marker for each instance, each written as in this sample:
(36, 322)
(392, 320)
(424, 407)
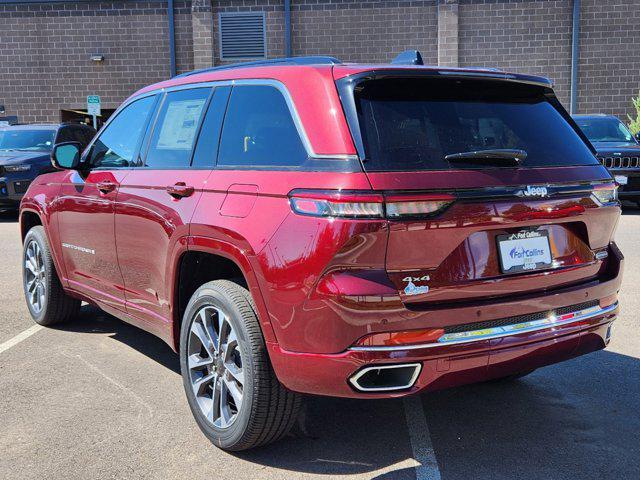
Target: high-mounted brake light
(605, 193)
(367, 205)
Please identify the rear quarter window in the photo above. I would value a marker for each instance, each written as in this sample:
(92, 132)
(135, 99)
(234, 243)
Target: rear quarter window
(259, 131)
(413, 123)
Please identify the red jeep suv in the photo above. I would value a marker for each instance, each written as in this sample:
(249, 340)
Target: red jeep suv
(303, 226)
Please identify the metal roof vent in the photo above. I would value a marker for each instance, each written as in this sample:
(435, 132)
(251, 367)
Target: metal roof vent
(242, 35)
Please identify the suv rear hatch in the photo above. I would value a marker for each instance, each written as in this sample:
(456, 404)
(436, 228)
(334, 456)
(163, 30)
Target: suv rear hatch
(498, 193)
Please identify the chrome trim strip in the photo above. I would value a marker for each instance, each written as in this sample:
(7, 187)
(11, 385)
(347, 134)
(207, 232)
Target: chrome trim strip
(497, 332)
(416, 372)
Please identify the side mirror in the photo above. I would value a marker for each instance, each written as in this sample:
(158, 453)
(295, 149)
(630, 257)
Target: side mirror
(66, 155)
(637, 137)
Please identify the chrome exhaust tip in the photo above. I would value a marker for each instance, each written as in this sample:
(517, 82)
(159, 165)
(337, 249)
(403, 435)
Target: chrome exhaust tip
(386, 378)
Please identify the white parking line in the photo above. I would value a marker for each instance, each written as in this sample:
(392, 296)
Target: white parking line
(423, 454)
(12, 342)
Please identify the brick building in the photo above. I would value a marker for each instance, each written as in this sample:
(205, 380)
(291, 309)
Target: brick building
(46, 46)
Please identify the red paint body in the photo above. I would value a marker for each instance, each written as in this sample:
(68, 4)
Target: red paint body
(321, 284)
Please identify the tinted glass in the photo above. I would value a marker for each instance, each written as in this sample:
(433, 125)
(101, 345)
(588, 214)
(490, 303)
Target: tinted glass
(27, 139)
(412, 124)
(119, 142)
(175, 130)
(604, 129)
(209, 138)
(259, 131)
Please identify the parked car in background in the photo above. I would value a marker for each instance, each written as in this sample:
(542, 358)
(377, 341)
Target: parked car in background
(617, 149)
(25, 153)
(303, 226)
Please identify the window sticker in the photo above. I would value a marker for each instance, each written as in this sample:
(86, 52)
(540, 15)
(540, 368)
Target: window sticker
(179, 126)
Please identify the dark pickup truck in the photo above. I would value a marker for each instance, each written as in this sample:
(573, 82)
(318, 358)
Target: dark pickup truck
(617, 149)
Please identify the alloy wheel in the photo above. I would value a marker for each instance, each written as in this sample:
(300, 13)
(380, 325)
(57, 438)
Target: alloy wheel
(35, 276)
(215, 366)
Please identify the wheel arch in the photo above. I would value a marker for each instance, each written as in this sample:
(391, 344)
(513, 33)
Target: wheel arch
(206, 259)
(31, 216)
(28, 219)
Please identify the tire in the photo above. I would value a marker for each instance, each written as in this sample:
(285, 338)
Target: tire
(266, 410)
(47, 302)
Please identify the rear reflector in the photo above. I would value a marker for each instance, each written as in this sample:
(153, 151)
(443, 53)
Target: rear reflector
(349, 204)
(607, 301)
(401, 338)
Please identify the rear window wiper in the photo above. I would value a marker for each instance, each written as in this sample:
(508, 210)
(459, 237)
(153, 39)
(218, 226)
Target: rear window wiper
(498, 155)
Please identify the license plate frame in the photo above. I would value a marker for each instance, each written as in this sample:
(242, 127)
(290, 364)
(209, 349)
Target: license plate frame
(524, 251)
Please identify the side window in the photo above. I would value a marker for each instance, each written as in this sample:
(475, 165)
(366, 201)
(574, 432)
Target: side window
(174, 133)
(209, 137)
(259, 131)
(118, 143)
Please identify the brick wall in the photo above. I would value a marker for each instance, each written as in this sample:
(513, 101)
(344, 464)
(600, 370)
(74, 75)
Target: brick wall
(528, 36)
(609, 56)
(45, 50)
(183, 36)
(371, 31)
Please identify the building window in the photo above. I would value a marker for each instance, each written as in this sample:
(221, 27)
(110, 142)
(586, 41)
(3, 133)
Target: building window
(242, 35)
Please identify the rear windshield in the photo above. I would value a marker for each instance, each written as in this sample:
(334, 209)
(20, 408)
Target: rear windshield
(412, 124)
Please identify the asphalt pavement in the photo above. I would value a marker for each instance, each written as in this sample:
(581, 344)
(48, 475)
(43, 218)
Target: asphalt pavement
(98, 398)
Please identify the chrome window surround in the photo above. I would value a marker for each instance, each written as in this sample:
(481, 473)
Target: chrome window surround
(417, 368)
(496, 332)
(260, 82)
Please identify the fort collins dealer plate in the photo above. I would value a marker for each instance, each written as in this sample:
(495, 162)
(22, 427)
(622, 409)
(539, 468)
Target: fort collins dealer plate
(524, 251)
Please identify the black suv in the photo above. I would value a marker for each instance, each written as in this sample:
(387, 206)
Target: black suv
(617, 149)
(25, 153)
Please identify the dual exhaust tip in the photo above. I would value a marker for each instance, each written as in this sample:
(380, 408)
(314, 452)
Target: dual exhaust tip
(386, 378)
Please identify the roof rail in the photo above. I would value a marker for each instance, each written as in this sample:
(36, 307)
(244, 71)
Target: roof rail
(309, 60)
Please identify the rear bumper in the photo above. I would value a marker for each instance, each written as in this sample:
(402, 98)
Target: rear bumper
(442, 366)
(459, 363)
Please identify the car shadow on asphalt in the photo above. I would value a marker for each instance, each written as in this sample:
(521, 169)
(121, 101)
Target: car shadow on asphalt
(578, 419)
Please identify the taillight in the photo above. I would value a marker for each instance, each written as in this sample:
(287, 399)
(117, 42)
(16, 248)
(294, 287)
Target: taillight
(337, 204)
(605, 193)
(416, 205)
(349, 204)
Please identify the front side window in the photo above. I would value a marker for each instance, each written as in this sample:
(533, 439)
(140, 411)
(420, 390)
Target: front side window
(259, 131)
(119, 142)
(175, 130)
(27, 140)
(414, 123)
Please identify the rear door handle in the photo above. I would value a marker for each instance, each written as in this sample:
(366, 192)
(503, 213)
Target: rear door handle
(106, 186)
(180, 190)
